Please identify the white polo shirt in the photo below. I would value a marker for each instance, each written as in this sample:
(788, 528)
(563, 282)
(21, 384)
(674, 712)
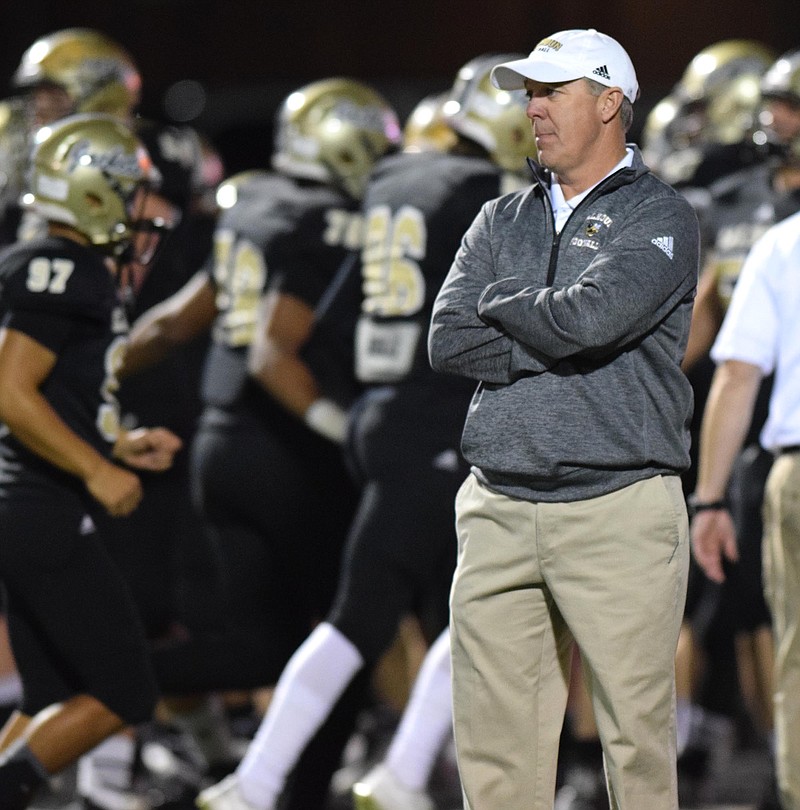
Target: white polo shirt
(762, 326)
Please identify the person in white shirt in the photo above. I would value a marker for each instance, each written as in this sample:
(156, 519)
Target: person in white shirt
(759, 336)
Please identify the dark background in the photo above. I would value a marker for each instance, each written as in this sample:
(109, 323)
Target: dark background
(247, 55)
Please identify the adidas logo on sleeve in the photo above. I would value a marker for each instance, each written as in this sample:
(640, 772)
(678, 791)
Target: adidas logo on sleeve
(664, 243)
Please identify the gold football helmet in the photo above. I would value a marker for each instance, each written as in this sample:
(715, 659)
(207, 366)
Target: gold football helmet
(493, 118)
(782, 80)
(780, 96)
(732, 113)
(426, 129)
(85, 171)
(656, 143)
(715, 66)
(97, 73)
(675, 134)
(716, 100)
(333, 131)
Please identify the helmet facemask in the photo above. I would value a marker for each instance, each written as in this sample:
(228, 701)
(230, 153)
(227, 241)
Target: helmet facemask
(152, 219)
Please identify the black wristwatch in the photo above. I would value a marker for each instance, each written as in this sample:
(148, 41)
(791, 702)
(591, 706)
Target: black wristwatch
(696, 506)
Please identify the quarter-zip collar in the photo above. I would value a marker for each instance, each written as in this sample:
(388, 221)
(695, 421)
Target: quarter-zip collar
(563, 208)
(621, 176)
(626, 171)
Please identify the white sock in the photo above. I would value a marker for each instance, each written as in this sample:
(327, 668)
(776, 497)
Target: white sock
(10, 689)
(307, 691)
(427, 719)
(683, 722)
(104, 774)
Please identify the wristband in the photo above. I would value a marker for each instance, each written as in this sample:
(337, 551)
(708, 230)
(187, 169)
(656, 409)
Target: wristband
(327, 419)
(696, 506)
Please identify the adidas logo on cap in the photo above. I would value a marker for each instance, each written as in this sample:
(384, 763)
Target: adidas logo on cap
(602, 71)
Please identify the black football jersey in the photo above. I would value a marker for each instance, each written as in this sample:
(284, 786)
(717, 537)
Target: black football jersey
(281, 234)
(743, 206)
(63, 296)
(416, 211)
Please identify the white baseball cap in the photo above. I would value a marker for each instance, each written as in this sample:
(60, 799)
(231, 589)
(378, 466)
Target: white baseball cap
(575, 54)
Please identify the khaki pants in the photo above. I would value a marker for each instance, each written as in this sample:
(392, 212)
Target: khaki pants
(611, 574)
(781, 550)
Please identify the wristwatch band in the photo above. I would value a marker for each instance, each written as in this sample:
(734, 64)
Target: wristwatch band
(696, 506)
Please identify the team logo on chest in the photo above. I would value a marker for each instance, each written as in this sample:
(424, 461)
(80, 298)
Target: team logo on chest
(593, 226)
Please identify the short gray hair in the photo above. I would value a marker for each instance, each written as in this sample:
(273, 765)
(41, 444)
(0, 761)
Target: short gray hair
(626, 108)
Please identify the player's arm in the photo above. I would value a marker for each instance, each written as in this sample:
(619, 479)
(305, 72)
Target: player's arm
(24, 366)
(726, 419)
(284, 325)
(706, 319)
(183, 316)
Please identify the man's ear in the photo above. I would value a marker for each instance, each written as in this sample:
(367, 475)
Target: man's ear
(611, 102)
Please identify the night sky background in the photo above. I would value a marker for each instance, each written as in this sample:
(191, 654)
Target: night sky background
(224, 66)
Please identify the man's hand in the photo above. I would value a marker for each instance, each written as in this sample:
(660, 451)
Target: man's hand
(147, 448)
(118, 490)
(713, 540)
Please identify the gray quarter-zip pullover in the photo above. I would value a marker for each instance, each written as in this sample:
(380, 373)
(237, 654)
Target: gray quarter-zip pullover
(576, 339)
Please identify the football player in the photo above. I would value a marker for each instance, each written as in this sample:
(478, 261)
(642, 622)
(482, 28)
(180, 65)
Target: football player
(74, 629)
(272, 486)
(159, 547)
(404, 433)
